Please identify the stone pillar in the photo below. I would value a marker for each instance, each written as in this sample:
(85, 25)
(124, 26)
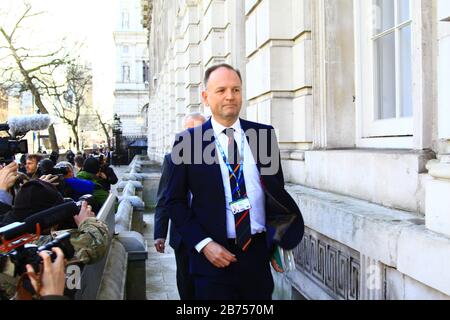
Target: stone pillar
(444, 68)
(437, 200)
(279, 82)
(180, 84)
(443, 75)
(333, 47)
(192, 57)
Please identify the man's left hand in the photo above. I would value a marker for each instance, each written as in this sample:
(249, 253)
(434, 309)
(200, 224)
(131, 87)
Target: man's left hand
(85, 213)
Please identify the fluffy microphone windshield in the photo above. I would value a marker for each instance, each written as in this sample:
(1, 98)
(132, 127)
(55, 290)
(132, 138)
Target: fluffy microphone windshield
(22, 124)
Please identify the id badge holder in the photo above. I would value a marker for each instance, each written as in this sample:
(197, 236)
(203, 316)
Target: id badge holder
(240, 205)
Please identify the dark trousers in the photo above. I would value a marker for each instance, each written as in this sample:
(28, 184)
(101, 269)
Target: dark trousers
(185, 281)
(249, 278)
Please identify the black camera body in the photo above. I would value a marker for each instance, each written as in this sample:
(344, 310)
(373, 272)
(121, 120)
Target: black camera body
(10, 147)
(15, 239)
(16, 128)
(44, 219)
(29, 254)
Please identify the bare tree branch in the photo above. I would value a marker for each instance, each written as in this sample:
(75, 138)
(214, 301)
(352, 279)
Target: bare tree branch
(26, 73)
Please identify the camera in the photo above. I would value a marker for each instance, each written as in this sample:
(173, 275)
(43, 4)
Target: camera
(12, 234)
(16, 128)
(47, 167)
(29, 254)
(9, 148)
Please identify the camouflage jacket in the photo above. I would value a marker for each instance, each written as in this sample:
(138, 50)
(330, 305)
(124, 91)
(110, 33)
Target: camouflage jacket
(90, 241)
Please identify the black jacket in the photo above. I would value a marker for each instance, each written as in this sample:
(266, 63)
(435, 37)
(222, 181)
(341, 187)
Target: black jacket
(161, 214)
(111, 177)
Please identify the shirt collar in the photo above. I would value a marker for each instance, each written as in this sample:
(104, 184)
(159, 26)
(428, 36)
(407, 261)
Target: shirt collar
(218, 128)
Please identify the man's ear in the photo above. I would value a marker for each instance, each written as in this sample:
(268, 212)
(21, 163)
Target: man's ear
(205, 97)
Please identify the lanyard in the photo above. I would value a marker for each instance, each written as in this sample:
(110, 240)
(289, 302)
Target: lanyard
(225, 159)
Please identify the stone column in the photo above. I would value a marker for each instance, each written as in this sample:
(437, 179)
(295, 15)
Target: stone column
(279, 74)
(437, 200)
(192, 59)
(333, 74)
(180, 84)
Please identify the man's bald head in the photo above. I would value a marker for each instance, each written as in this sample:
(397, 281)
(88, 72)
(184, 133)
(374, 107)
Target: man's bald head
(193, 119)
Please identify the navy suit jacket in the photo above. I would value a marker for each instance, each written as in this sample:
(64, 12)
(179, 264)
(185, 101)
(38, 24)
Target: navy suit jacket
(206, 216)
(161, 214)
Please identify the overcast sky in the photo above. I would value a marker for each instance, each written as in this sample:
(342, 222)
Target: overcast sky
(87, 21)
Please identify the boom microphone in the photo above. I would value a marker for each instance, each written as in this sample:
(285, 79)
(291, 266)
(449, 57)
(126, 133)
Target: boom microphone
(45, 218)
(22, 124)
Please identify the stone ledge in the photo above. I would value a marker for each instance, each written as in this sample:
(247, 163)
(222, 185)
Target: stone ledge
(368, 228)
(425, 256)
(396, 238)
(391, 178)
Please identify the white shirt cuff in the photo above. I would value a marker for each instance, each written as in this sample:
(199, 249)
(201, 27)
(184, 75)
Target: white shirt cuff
(199, 247)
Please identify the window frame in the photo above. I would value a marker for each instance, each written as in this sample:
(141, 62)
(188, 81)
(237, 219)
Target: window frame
(398, 133)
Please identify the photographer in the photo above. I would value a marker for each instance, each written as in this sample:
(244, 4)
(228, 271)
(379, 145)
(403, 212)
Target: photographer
(31, 166)
(74, 188)
(107, 174)
(91, 172)
(8, 177)
(79, 161)
(89, 240)
(49, 284)
(70, 156)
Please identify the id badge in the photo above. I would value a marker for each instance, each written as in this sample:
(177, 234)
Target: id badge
(240, 205)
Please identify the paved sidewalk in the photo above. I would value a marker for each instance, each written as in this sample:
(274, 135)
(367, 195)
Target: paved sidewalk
(161, 268)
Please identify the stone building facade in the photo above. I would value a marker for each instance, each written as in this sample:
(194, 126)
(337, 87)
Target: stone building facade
(357, 91)
(131, 91)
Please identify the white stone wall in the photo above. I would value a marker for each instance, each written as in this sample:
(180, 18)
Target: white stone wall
(279, 77)
(190, 37)
(297, 58)
(131, 93)
(444, 68)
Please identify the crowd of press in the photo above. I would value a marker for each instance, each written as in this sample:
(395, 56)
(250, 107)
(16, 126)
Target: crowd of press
(48, 221)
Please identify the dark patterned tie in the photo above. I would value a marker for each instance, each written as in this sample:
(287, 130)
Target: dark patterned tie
(242, 219)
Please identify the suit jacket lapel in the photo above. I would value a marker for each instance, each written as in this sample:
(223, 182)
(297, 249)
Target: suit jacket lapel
(208, 141)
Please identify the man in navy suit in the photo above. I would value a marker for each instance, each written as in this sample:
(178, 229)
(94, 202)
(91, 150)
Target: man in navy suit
(185, 281)
(239, 208)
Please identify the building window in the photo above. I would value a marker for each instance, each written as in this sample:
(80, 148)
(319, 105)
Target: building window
(392, 45)
(384, 69)
(125, 49)
(125, 73)
(125, 19)
(145, 71)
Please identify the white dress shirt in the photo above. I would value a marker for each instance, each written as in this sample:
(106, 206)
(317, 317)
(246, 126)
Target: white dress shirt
(255, 192)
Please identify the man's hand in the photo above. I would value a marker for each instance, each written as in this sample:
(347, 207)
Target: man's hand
(50, 178)
(160, 245)
(53, 277)
(85, 213)
(8, 176)
(102, 175)
(275, 265)
(218, 255)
